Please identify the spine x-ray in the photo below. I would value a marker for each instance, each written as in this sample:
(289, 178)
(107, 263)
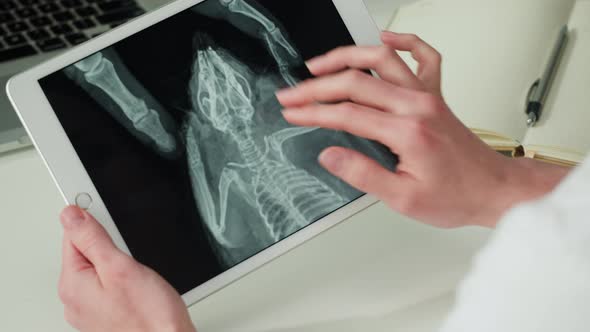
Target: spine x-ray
(251, 185)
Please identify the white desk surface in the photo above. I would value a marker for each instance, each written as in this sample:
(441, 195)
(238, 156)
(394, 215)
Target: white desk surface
(376, 272)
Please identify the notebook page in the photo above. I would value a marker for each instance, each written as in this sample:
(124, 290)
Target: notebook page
(565, 123)
(490, 53)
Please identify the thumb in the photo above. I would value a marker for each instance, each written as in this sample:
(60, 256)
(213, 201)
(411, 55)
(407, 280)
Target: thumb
(359, 171)
(88, 236)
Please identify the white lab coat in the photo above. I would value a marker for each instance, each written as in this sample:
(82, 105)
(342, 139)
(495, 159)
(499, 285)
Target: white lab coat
(534, 275)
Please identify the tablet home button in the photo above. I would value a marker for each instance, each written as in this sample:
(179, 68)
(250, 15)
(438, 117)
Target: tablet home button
(84, 201)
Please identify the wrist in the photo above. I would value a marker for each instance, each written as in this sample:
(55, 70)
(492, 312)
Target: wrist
(523, 180)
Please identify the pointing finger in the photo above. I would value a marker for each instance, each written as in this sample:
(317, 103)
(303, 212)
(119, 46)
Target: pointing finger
(383, 59)
(351, 85)
(352, 118)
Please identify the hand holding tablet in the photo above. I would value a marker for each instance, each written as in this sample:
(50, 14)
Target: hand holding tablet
(104, 289)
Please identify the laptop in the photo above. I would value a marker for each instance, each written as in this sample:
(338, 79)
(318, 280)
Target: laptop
(32, 31)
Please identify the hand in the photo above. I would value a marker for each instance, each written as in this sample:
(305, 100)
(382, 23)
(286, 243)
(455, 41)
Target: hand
(103, 289)
(447, 176)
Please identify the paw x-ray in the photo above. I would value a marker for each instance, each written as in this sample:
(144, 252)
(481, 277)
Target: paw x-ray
(181, 132)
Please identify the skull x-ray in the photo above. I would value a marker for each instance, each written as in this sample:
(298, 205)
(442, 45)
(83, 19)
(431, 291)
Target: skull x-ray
(184, 117)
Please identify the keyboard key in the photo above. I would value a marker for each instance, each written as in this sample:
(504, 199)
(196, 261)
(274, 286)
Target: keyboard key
(2, 31)
(116, 5)
(25, 12)
(52, 44)
(1, 45)
(17, 26)
(38, 34)
(19, 52)
(71, 3)
(86, 11)
(14, 40)
(63, 16)
(84, 23)
(76, 38)
(6, 17)
(121, 15)
(7, 5)
(40, 21)
(61, 29)
(49, 7)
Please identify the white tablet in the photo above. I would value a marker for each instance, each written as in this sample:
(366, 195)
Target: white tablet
(168, 130)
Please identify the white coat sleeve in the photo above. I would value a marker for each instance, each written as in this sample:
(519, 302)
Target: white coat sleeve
(534, 276)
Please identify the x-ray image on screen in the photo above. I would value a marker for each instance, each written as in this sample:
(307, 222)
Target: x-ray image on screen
(181, 132)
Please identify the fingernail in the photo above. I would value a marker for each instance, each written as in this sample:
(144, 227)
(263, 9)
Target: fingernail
(386, 34)
(284, 93)
(71, 217)
(289, 111)
(333, 160)
(311, 63)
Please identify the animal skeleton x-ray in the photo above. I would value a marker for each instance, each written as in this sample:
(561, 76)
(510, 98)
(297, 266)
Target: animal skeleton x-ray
(247, 186)
(284, 198)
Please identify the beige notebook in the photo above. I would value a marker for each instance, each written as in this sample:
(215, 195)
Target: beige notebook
(493, 51)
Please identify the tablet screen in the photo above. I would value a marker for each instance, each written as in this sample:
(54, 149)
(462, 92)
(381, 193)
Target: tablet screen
(180, 131)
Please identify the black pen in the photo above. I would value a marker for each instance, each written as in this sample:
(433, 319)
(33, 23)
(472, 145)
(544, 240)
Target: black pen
(540, 89)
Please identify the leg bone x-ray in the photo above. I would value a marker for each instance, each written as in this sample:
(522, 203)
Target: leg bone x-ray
(253, 22)
(100, 72)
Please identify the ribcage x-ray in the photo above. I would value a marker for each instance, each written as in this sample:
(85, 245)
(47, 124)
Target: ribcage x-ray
(212, 114)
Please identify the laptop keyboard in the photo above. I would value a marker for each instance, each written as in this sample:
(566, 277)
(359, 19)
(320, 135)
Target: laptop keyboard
(29, 27)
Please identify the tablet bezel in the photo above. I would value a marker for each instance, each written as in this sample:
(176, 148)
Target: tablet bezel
(69, 174)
